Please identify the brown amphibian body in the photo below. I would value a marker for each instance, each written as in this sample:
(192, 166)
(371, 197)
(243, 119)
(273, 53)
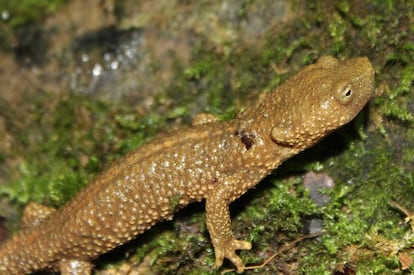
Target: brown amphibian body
(212, 160)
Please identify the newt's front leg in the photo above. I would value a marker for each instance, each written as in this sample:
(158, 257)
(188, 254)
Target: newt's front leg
(219, 224)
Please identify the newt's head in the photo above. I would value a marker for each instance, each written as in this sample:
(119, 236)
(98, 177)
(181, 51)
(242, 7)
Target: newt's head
(318, 100)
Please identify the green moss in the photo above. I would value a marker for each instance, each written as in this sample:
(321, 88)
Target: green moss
(53, 188)
(76, 140)
(28, 11)
(358, 219)
(359, 225)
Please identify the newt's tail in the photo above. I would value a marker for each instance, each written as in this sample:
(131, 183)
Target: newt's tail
(30, 249)
(22, 254)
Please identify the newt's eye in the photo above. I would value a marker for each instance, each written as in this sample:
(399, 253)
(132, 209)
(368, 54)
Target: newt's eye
(344, 94)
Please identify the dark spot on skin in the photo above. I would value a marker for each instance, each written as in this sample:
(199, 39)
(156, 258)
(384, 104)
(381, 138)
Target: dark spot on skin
(247, 139)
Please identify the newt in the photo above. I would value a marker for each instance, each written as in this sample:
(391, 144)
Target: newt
(215, 161)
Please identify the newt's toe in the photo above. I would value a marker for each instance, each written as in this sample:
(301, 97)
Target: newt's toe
(227, 250)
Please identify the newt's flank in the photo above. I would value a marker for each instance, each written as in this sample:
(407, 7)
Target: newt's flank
(217, 161)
